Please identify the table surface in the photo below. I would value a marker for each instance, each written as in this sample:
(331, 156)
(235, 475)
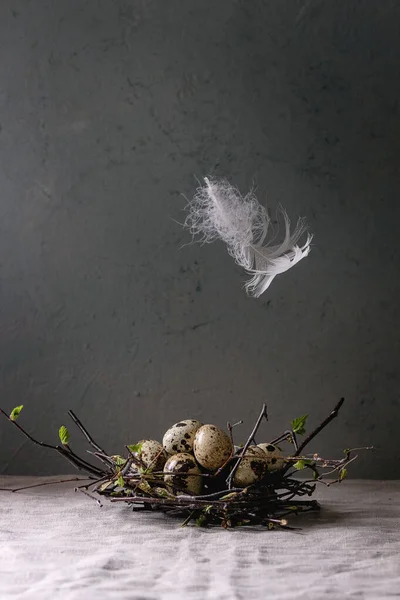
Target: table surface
(57, 544)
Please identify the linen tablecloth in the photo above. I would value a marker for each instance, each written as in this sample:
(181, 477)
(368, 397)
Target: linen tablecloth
(57, 544)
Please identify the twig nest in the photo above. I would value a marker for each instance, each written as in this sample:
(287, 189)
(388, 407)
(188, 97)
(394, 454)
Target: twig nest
(212, 447)
(177, 469)
(275, 459)
(152, 455)
(251, 468)
(180, 437)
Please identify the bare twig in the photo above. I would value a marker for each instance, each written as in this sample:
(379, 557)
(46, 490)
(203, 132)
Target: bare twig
(83, 491)
(263, 415)
(78, 463)
(87, 435)
(230, 429)
(287, 435)
(320, 427)
(35, 485)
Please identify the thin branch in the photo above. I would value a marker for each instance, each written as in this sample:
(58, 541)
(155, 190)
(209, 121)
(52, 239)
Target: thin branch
(82, 461)
(83, 491)
(106, 460)
(230, 429)
(324, 423)
(95, 482)
(28, 487)
(188, 518)
(214, 496)
(263, 415)
(284, 437)
(85, 432)
(78, 463)
(26, 434)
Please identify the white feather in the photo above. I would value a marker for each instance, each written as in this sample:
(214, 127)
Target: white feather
(219, 211)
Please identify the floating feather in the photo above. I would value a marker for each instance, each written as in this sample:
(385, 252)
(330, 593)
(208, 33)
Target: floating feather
(219, 211)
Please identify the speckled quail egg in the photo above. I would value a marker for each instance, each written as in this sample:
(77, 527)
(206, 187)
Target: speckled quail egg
(152, 454)
(275, 459)
(179, 437)
(212, 447)
(252, 467)
(178, 468)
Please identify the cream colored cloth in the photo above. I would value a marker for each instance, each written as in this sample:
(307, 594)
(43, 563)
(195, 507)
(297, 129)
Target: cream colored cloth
(57, 544)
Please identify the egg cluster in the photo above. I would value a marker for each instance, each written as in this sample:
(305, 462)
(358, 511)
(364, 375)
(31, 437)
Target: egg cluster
(191, 449)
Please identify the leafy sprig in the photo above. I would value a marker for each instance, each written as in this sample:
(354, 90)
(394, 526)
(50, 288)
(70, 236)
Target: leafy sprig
(16, 412)
(298, 425)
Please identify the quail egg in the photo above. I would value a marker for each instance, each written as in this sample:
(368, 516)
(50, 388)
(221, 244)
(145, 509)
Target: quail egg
(179, 437)
(152, 454)
(252, 467)
(212, 447)
(182, 473)
(275, 460)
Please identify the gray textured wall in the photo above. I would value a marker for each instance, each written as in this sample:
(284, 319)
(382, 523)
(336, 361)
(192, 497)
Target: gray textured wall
(108, 111)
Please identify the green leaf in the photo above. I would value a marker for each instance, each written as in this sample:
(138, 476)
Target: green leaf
(15, 412)
(135, 448)
(298, 425)
(201, 521)
(302, 463)
(343, 474)
(163, 493)
(63, 434)
(145, 487)
(106, 485)
(120, 480)
(229, 496)
(119, 460)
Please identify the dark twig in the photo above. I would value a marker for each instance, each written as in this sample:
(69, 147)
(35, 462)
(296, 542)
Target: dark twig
(86, 433)
(82, 461)
(78, 463)
(106, 460)
(320, 427)
(26, 434)
(188, 518)
(287, 435)
(86, 486)
(35, 485)
(263, 415)
(230, 429)
(83, 491)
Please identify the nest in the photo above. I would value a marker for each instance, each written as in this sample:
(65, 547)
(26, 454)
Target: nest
(268, 502)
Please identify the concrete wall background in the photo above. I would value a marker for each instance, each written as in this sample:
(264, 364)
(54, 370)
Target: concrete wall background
(108, 111)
